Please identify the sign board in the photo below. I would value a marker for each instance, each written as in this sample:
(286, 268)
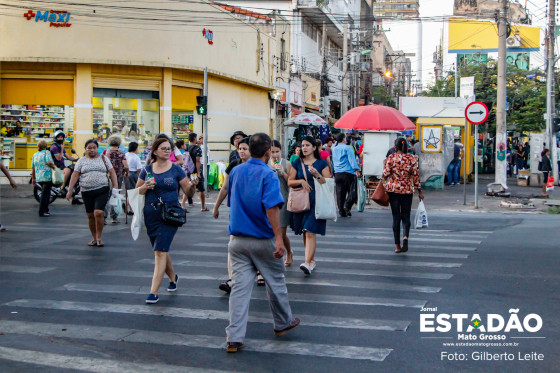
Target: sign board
(466, 88)
(431, 139)
(476, 112)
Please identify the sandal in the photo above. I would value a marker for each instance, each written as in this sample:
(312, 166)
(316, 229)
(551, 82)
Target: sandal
(260, 281)
(404, 248)
(92, 243)
(205, 209)
(398, 250)
(100, 243)
(289, 259)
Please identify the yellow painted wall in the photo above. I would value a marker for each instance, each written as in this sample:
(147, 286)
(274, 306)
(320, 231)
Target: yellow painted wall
(183, 98)
(37, 92)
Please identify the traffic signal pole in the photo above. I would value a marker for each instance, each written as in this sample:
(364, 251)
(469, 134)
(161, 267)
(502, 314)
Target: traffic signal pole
(205, 130)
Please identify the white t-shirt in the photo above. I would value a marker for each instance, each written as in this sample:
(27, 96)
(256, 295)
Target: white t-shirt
(134, 162)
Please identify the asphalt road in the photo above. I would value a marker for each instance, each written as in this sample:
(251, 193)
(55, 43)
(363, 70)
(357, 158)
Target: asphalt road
(67, 307)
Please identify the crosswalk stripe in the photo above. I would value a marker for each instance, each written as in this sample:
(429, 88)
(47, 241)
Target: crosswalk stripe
(254, 317)
(379, 238)
(341, 271)
(294, 297)
(378, 285)
(101, 333)
(24, 269)
(52, 256)
(368, 252)
(88, 364)
(399, 262)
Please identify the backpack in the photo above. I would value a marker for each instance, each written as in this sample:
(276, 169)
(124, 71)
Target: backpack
(188, 164)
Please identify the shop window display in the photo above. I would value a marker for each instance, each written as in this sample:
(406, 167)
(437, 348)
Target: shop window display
(134, 115)
(35, 120)
(182, 122)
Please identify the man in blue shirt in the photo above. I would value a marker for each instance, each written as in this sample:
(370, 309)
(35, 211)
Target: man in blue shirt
(256, 242)
(346, 170)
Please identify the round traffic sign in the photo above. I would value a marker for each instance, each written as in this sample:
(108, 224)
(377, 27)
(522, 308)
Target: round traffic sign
(476, 112)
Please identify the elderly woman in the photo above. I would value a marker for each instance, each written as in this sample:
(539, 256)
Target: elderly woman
(42, 166)
(160, 182)
(94, 171)
(120, 165)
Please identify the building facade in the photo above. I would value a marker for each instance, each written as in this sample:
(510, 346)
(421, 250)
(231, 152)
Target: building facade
(396, 8)
(94, 70)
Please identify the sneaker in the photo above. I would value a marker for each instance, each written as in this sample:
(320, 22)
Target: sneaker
(152, 299)
(76, 201)
(294, 324)
(313, 265)
(348, 213)
(234, 346)
(305, 268)
(173, 285)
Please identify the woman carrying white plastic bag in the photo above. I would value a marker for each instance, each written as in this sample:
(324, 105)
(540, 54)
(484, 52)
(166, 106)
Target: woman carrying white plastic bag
(325, 204)
(136, 202)
(421, 219)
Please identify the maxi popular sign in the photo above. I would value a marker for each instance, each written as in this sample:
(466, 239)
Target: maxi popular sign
(56, 18)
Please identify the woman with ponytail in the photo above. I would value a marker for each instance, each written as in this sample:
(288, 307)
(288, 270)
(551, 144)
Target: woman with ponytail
(401, 177)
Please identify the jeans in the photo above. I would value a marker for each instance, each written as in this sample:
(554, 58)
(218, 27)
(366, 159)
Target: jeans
(453, 172)
(46, 187)
(400, 207)
(343, 181)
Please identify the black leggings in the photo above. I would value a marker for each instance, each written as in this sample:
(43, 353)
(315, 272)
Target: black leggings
(400, 207)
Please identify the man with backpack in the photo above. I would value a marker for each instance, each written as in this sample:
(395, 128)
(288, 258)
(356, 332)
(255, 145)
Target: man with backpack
(195, 153)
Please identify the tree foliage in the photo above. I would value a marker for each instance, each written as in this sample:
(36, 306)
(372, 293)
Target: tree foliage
(526, 94)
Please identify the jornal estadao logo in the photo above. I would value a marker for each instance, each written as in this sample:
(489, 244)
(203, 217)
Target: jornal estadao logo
(476, 327)
(56, 18)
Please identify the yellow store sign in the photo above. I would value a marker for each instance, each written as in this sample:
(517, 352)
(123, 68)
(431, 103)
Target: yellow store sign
(472, 36)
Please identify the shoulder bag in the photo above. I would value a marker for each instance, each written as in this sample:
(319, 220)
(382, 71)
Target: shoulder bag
(298, 198)
(107, 171)
(380, 195)
(171, 215)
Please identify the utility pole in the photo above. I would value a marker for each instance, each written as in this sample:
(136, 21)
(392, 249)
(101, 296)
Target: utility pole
(549, 137)
(205, 130)
(501, 138)
(344, 105)
(324, 81)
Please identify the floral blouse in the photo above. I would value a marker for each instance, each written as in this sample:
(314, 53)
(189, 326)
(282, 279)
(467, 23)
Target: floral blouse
(401, 174)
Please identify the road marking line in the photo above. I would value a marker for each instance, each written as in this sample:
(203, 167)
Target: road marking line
(297, 281)
(343, 251)
(24, 269)
(294, 297)
(205, 314)
(381, 238)
(341, 271)
(96, 365)
(400, 261)
(101, 333)
(53, 256)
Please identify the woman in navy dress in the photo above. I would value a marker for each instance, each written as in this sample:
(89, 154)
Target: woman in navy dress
(161, 179)
(304, 222)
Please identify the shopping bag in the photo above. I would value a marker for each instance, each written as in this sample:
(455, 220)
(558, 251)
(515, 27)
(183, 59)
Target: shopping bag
(380, 195)
(421, 219)
(325, 205)
(361, 195)
(353, 193)
(136, 201)
(57, 176)
(550, 183)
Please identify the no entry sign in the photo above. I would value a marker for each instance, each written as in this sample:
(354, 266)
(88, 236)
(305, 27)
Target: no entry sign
(476, 112)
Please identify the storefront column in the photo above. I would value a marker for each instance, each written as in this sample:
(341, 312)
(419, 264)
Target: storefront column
(83, 126)
(165, 102)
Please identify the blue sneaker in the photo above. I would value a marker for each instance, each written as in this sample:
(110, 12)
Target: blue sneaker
(152, 299)
(173, 285)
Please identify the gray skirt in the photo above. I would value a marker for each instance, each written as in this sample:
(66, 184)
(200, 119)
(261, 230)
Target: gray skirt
(132, 180)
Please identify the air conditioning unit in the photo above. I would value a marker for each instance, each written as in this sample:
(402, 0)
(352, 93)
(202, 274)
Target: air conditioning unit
(513, 42)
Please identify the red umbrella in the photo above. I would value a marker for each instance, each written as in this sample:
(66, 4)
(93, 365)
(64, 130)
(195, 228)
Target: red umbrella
(375, 118)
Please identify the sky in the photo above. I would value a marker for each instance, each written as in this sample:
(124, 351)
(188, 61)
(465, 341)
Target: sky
(400, 34)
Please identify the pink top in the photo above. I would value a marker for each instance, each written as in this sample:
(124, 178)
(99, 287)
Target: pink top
(324, 155)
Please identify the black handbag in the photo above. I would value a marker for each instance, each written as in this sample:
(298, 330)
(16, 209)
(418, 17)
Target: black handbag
(172, 215)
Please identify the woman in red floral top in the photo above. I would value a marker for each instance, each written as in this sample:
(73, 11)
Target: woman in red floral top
(401, 177)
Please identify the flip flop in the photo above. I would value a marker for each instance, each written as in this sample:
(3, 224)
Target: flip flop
(100, 245)
(205, 209)
(92, 243)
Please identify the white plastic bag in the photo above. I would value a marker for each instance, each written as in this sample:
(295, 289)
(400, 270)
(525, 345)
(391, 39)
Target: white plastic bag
(421, 219)
(361, 195)
(325, 205)
(136, 202)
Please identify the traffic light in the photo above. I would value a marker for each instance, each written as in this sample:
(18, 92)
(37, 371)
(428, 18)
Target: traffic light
(202, 105)
(555, 125)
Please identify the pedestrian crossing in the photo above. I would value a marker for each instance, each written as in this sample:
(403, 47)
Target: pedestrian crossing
(356, 308)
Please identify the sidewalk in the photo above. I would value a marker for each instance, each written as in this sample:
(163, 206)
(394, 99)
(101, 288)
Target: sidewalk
(452, 198)
(449, 199)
